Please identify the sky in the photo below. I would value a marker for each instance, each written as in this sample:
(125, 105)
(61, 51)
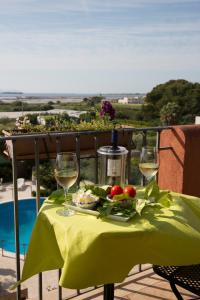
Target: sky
(97, 46)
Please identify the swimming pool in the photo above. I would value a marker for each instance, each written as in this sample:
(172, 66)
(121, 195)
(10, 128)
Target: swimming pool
(27, 215)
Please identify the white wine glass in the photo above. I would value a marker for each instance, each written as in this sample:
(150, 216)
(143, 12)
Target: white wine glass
(149, 162)
(66, 174)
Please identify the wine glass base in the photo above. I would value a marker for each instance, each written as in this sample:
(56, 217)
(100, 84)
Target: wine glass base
(64, 212)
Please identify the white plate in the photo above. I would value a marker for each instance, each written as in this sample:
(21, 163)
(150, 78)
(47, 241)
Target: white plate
(96, 213)
(85, 205)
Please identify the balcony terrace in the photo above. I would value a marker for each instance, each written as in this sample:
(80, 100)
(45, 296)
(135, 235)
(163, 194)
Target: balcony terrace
(142, 282)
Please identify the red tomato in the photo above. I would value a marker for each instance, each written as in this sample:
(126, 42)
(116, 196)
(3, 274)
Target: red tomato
(116, 190)
(130, 190)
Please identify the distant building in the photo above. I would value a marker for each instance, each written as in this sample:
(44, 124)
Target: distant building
(132, 100)
(125, 100)
(197, 120)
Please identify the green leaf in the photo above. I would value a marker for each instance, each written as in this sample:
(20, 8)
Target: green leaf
(116, 208)
(122, 197)
(107, 188)
(152, 190)
(100, 192)
(119, 197)
(154, 195)
(140, 204)
(163, 194)
(58, 197)
(158, 205)
(165, 200)
(104, 210)
(86, 183)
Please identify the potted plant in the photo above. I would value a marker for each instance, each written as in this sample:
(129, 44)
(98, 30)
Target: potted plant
(85, 128)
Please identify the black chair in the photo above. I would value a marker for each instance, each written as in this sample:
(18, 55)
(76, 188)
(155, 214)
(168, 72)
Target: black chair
(187, 277)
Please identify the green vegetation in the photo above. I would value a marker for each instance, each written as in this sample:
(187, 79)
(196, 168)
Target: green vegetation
(6, 123)
(72, 105)
(47, 179)
(174, 102)
(92, 101)
(24, 106)
(63, 122)
(5, 167)
(97, 117)
(125, 114)
(170, 113)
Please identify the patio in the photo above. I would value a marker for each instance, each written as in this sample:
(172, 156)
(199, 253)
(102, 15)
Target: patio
(6, 191)
(141, 285)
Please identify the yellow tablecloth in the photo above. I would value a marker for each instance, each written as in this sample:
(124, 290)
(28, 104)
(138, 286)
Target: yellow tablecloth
(93, 251)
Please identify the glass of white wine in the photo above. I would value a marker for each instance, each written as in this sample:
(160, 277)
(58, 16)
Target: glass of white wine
(66, 174)
(149, 162)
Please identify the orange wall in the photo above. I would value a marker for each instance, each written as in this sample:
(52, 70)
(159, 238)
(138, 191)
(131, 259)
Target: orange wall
(179, 168)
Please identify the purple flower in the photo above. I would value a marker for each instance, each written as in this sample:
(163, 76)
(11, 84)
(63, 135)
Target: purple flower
(107, 110)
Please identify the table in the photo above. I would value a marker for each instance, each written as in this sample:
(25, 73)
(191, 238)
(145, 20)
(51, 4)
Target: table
(94, 251)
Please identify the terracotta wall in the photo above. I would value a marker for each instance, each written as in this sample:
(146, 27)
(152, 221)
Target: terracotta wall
(179, 168)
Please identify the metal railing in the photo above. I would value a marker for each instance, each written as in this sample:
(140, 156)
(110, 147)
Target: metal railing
(58, 136)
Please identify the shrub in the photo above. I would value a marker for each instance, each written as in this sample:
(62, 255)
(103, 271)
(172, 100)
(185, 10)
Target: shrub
(169, 114)
(47, 179)
(121, 115)
(107, 110)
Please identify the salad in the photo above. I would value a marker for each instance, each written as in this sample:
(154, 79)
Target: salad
(119, 201)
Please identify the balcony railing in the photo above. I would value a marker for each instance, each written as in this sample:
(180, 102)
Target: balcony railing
(58, 136)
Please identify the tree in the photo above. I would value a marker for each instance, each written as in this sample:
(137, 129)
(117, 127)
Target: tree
(92, 101)
(185, 94)
(169, 114)
(18, 103)
(46, 106)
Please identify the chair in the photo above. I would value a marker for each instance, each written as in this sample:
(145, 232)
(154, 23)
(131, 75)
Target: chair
(20, 183)
(187, 277)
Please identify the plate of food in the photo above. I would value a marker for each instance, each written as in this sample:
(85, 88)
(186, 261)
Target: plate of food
(119, 203)
(85, 199)
(105, 201)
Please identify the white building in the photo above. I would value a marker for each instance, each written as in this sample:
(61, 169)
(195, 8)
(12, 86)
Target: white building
(197, 120)
(125, 100)
(132, 100)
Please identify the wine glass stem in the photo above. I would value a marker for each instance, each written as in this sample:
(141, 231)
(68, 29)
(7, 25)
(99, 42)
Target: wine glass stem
(65, 193)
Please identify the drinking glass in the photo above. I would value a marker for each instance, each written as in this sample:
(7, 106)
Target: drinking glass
(148, 162)
(66, 173)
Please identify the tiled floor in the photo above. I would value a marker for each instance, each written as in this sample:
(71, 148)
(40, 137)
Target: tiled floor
(147, 286)
(6, 191)
(141, 286)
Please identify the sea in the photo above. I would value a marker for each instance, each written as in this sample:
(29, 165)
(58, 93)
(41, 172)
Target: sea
(63, 97)
(40, 97)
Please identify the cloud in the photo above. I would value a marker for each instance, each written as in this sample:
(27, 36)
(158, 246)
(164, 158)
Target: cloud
(163, 36)
(84, 6)
(110, 36)
(115, 59)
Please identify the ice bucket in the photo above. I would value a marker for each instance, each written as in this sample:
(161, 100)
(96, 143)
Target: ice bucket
(112, 165)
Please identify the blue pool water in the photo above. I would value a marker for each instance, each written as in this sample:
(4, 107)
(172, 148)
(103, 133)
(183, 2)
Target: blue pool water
(27, 215)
